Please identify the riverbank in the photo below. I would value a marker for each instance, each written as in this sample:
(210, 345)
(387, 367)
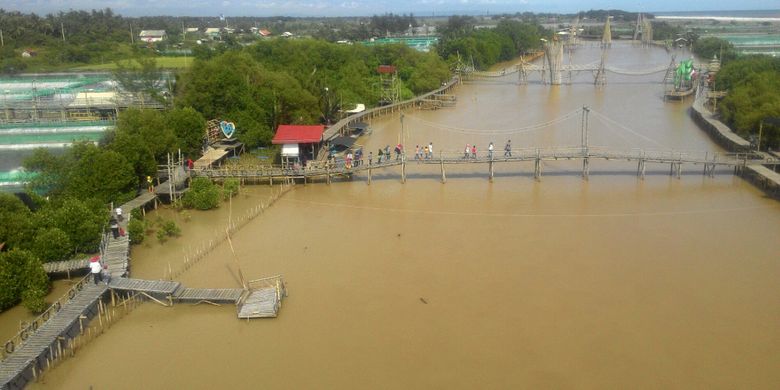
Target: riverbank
(762, 177)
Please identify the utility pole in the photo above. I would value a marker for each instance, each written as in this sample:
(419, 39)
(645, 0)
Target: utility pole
(584, 126)
(132, 38)
(585, 158)
(402, 130)
(62, 30)
(760, 130)
(2, 42)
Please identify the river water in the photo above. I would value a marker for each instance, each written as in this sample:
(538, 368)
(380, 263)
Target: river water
(612, 282)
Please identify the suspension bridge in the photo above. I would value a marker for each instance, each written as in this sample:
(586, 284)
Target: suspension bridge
(445, 159)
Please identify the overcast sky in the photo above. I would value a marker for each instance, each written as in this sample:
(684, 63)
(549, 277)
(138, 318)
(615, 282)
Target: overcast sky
(372, 7)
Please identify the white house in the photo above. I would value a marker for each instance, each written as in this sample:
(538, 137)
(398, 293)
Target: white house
(152, 35)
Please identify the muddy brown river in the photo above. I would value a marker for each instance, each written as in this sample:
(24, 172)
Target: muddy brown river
(612, 282)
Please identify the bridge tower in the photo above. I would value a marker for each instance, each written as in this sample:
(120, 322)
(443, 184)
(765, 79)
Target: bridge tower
(389, 83)
(638, 26)
(601, 74)
(554, 55)
(606, 37)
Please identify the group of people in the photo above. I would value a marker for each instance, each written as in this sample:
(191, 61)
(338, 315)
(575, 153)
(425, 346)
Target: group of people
(420, 153)
(424, 153)
(470, 151)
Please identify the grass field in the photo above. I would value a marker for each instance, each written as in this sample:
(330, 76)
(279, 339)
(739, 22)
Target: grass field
(162, 62)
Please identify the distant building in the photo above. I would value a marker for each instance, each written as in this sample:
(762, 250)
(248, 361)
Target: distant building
(287, 34)
(152, 35)
(264, 33)
(214, 32)
(27, 53)
(192, 29)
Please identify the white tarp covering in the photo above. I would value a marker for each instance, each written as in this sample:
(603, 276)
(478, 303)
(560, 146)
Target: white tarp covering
(359, 108)
(290, 150)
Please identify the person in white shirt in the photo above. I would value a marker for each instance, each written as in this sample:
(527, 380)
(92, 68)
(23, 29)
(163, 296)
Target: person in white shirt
(118, 212)
(96, 269)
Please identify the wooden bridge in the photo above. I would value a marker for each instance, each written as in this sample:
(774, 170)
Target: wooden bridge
(675, 160)
(52, 334)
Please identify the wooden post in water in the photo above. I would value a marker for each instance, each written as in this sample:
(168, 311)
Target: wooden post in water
(369, 173)
(490, 164)
(441, 162)
(537, 166)
(403, 168)
(327, 171)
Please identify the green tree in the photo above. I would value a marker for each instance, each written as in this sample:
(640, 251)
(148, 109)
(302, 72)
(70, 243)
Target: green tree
(16, 227)
(20, 271)
(51, 244)
(188, 125)
(82, 220)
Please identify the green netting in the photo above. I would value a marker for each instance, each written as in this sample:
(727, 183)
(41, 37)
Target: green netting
(16, 176)
(55, 124)
(24, 139)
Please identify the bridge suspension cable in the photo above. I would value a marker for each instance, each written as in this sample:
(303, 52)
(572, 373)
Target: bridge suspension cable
(613, 122)
(518, 130)
(641, 72)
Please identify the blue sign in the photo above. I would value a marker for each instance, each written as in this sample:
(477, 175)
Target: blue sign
(228, 128)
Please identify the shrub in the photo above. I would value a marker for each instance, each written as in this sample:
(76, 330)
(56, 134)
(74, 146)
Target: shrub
(137, 230)
(203, 194)
(34, 299)
(171, 229)
(230, 188)
(162, 237)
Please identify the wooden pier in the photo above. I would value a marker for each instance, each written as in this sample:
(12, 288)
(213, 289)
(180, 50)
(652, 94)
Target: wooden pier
(46, 338)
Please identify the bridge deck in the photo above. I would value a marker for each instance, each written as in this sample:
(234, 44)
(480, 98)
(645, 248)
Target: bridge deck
(56, 267)
(261, 303)
(17, 369)
(215, 295)
(156, 287)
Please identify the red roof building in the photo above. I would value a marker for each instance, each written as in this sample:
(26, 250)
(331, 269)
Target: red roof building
(298, 134)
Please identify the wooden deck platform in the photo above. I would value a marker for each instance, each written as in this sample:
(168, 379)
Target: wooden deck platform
(25, 363)
(260, 303)
(213, 295)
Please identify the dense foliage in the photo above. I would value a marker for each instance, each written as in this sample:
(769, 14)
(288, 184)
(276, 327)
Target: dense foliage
(298, 82)
(83, 171)
(753, 85)
(22, 277)
(56, 230)
(711, 47)
(485, 47)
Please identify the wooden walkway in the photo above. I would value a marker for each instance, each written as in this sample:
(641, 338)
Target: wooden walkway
(34, 348)
(213, 295)
(162, 288)
(66, 266)
(48, 342)
(115, 251)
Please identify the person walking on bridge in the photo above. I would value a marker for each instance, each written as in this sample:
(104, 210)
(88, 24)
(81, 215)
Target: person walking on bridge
(466, 151)
(508, 148)
(490, 150)
(96, 269)
(114, 228)
(474, 151)
(430, 149)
